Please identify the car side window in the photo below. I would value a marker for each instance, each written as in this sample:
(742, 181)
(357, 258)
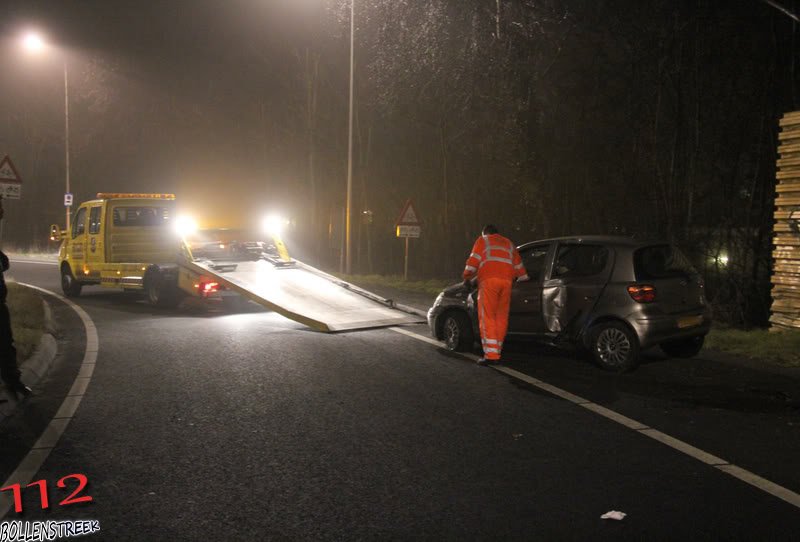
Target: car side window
(580, 261)
(94, 220)
(534, 260)
(79, 224)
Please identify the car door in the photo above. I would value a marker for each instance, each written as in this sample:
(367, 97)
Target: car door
(580, 272)
(95, 244)
(77, 245)
(525, 315)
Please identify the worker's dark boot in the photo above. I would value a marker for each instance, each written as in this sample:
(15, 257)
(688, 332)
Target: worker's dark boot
(19, 389)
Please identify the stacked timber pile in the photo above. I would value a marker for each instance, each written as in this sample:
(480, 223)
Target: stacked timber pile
(786, 256)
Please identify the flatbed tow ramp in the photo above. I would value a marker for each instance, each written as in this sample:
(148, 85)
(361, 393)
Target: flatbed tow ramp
(307, 295)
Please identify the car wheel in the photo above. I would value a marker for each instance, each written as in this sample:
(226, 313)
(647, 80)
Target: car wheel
(457, 331)
(235, 303)
(159, 292)
(614, 347)
(683, 348)
(70, 286)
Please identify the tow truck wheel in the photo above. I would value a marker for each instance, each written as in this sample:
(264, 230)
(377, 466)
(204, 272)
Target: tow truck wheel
(159, 292)
(457, 331)
(70, 286)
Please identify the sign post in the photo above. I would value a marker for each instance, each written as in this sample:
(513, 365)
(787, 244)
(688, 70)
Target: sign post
(407, 225)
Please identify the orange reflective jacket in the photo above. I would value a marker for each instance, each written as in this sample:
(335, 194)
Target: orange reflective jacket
(494, 256)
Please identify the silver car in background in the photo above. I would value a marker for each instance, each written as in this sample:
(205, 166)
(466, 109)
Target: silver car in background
(613, 296)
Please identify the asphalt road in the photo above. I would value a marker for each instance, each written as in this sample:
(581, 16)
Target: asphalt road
(203, 425)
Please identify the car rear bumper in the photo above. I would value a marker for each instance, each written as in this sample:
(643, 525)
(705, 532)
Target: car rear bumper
(653, 330)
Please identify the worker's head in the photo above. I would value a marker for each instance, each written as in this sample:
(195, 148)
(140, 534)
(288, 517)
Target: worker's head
(489, 229)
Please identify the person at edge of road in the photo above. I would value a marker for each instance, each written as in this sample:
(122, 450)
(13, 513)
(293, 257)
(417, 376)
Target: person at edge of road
(496, 263)
(8, 354)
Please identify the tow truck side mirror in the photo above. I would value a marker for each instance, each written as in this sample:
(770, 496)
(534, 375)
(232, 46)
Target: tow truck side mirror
(56, 234)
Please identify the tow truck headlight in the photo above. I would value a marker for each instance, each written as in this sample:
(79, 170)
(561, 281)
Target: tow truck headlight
(185, 225)
(273, 224)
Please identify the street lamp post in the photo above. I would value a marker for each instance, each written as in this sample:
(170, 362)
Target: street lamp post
(34, 43)
(66, 139)
(348, 211)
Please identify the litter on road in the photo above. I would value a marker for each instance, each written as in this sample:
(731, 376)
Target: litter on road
(614, 514)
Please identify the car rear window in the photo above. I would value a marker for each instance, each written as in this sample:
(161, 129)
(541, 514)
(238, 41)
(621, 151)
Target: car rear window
(661, 261)
(140, 216)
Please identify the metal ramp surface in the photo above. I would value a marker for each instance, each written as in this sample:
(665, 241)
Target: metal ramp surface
(308, 296)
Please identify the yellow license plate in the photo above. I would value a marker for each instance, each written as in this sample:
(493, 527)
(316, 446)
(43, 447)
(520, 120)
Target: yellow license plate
(689, 321)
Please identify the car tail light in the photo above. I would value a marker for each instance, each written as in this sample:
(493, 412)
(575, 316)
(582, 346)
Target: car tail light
(642, 293)
(206, 288)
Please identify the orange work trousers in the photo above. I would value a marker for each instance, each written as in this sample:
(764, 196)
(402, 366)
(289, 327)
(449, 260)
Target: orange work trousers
(494, 300)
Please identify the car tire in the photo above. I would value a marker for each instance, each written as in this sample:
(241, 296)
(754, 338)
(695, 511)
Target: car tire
(683, 348)
(457, 331)
(69, 284)
(614, 347)
(235, 303)
(160, 293)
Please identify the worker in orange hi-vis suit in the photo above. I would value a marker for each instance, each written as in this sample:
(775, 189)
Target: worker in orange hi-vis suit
(496, 263)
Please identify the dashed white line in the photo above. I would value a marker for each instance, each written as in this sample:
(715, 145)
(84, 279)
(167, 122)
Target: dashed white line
(720, 464)
(33, 461)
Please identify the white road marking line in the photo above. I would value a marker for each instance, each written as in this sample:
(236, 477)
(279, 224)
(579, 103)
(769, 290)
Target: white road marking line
(542, 385)
(615, 416)
(720, 464)
(688, 449)
(417, 336)
(754, 480)
(36, 457)
(38, 262)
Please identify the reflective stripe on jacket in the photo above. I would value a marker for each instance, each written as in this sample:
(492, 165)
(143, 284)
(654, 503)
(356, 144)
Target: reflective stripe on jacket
(494, 256)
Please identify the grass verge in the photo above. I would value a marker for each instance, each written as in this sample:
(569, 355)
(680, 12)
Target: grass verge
(780, 347)
(431, 286)
(27, 319)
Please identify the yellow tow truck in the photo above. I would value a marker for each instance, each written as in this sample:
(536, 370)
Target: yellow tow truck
(137, 243)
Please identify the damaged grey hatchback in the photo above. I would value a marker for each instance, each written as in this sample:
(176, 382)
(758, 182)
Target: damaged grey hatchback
(612, 296)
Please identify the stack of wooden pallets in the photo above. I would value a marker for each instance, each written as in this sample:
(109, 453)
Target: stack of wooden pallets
(786, 255)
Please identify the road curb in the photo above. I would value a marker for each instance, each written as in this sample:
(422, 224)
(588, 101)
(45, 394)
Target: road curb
(36, 366)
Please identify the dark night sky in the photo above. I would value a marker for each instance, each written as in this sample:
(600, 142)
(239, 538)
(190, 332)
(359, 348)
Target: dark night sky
(212, 58)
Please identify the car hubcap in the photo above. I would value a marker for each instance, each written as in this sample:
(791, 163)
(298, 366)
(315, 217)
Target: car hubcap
(451, 332)
(613, 346)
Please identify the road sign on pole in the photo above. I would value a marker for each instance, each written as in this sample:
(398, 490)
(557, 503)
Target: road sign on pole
(407, 225)
(408, 215)
(10, 181)
(67, 199)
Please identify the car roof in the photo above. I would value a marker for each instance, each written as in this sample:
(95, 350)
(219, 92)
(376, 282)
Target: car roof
(615, 240)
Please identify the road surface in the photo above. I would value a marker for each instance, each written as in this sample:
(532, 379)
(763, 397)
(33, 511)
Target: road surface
(202, 425)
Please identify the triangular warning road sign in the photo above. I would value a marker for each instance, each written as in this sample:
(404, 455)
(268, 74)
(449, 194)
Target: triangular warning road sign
(408, 216)
(8, 173)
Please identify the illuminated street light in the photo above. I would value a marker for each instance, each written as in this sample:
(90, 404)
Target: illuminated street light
(34, 43)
